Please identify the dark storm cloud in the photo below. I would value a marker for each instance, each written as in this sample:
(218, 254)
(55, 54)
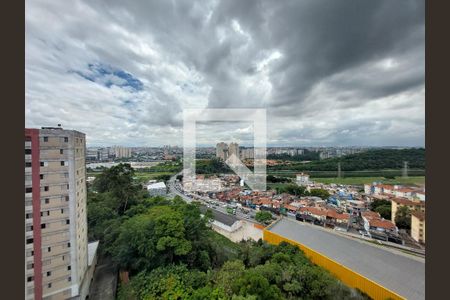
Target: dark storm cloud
(320, 67)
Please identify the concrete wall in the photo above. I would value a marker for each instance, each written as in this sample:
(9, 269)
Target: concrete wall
(344, 274)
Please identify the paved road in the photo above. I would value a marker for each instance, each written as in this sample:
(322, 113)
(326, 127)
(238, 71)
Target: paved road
(219, 213)
(401, 273)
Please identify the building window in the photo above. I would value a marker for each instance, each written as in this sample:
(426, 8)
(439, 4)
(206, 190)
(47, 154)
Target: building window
(43, 226)
(30, 241)
(27, 151)
(49, 273)
(68, 245)
(42, 163)
(30, 278)
(62, 163)
(67, 186)
(46, 188)
(49, 249)
(28, 215)
(49, 285)
(45, 138)
(41, 176)
(66, 139)
(67, 198)
(28, 190)
(28, 165)
(69, 268)
(47, 200)
(61, 151)
(62, 210)
(69, 279)
(67, 221)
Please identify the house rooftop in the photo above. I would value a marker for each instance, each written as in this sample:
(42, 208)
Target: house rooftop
(419, 215)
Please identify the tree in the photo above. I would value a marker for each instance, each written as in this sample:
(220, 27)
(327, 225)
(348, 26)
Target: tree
(384, 211)
(324, 194)
(118, 180)
(292, 189)
(403, 218)
(377, 203)
(251, 283)
(263, 216)
(152, 239)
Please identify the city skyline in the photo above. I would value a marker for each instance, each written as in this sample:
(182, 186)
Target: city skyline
(328, 73)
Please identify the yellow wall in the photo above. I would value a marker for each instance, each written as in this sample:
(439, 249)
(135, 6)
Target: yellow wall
(344, 274)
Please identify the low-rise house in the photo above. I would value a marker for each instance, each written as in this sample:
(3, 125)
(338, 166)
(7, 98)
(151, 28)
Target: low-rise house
(337, 218)
(382, 225)
(374, 221)
(291, 208)
(157, 189)
(420, 196)
(404, 193)
(317, 213)
(368, 189)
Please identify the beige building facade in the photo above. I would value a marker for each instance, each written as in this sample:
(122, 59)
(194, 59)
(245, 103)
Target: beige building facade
(56, 245)
(418, 226)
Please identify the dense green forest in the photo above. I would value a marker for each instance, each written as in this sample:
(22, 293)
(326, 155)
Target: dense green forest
(370, 160)
(306, 156)
(170, 251)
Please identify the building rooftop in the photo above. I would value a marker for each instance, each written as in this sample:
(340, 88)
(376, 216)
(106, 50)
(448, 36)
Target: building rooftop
(408, 202)
(381, 223)
(419, 215)
(397, 271)
(158, 185)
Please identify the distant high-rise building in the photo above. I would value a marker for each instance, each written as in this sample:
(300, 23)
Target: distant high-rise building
(122, 152)
(233, 149)
(247, 153)
(58, 264)
(222, 151)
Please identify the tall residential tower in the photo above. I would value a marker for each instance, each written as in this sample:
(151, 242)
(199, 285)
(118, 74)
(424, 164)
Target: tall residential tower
(56, 245)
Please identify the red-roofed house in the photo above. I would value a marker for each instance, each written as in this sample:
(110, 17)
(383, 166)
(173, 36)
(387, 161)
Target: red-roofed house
(336, 217)
(404, 193)
(317, 213)
(382, 225)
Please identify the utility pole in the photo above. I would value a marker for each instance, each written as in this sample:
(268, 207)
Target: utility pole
(405, 169)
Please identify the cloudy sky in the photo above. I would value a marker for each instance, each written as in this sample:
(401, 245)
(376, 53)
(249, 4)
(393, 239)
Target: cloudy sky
(328, 72)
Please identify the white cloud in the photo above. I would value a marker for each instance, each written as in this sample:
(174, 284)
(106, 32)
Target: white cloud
(319, 86)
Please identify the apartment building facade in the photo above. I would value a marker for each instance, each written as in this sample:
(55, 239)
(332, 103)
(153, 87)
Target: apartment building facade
(222, 151)
(418, 226)
(56, 245)
(413, 205)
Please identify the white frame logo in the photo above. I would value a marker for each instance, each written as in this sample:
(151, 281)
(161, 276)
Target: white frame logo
(256, 180)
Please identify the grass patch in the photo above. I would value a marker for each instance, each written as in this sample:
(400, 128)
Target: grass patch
(146, 176)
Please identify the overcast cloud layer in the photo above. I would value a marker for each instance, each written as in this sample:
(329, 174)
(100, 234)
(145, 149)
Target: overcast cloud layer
(329, 72)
